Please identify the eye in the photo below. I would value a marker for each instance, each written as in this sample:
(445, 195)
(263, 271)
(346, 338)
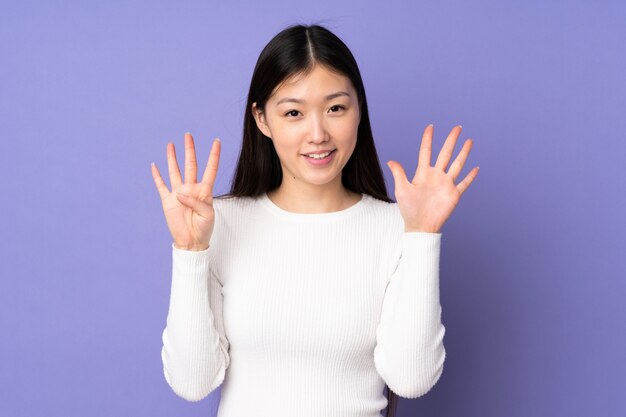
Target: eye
(291, 111)
(297, 111)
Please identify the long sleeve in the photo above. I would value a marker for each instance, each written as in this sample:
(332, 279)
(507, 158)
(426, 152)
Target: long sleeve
(195, 349)
(409, 352)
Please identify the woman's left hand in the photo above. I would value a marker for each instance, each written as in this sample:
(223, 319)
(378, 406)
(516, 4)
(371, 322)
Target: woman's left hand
(427, 201)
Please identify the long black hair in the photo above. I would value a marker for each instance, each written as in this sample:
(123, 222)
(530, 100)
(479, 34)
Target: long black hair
(295, 51)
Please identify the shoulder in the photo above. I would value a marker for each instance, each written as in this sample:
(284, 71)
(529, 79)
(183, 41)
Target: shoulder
(226, 204)
(384, 219)
(231, 215)
(388, 211)
(230, 208)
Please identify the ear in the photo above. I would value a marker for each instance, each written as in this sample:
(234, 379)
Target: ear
(261, 123)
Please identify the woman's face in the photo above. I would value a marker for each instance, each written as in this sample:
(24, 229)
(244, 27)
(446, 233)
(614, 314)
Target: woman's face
(325, 117)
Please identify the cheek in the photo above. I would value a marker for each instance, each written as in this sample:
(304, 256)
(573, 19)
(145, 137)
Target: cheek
(347, 134)
(287, 147)
(288, 135)
(348, 125)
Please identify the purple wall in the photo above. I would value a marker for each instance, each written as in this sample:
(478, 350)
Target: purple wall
(533, 258)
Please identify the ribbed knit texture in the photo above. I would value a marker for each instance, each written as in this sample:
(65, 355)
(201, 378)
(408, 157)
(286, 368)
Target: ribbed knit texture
(305, 315)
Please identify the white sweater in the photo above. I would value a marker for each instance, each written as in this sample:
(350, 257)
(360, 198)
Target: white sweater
(305, 315)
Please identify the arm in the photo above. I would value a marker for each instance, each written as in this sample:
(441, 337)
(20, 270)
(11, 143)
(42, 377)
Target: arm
(195, 349)
(409, 352)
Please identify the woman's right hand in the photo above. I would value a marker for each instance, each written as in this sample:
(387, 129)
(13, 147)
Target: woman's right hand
(188, 207)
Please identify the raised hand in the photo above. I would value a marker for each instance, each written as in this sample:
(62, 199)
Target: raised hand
(188, 207)
(427, 201)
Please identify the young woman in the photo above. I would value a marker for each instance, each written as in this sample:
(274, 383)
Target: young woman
(306, 291)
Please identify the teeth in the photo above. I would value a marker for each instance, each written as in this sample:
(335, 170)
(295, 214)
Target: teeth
(318, 156)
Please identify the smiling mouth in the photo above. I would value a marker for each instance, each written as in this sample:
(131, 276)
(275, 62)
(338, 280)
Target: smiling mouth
(329, 154)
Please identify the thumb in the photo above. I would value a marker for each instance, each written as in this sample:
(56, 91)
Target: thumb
(396, 170)
(197, 205)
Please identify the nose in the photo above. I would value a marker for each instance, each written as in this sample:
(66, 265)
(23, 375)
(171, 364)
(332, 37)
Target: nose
(318, 133)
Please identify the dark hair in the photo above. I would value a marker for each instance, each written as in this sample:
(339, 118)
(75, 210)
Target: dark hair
(295, 51)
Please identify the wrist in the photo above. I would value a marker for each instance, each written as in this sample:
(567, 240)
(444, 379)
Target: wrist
(192, 247)
(421, 229)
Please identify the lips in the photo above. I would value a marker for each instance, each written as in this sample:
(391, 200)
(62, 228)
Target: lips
(320, 163)
(319, 152)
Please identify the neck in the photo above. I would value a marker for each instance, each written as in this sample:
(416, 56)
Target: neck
(313, 199)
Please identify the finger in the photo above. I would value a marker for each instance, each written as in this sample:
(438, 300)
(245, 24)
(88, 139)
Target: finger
(464, 185)
(191, 165)
(172, 167)
(160, 184)
(459, 161)
(399, 176)
(210, 172)
(197, 205)
(425, 147)
(448, 148)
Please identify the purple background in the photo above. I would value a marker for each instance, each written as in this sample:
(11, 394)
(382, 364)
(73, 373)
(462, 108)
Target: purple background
(532, 264)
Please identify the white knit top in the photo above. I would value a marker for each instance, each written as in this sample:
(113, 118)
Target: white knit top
(305, 315)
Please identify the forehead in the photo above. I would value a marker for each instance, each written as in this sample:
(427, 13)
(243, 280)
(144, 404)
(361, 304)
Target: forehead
(319, 84)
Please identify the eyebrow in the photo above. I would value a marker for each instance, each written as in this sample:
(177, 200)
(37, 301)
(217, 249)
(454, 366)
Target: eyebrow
(328, 97)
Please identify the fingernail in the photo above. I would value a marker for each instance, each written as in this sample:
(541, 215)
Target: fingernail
(218, 139)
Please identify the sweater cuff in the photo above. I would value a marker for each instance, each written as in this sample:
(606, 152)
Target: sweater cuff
(425, 240)
(423, 248)
(189, 262)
